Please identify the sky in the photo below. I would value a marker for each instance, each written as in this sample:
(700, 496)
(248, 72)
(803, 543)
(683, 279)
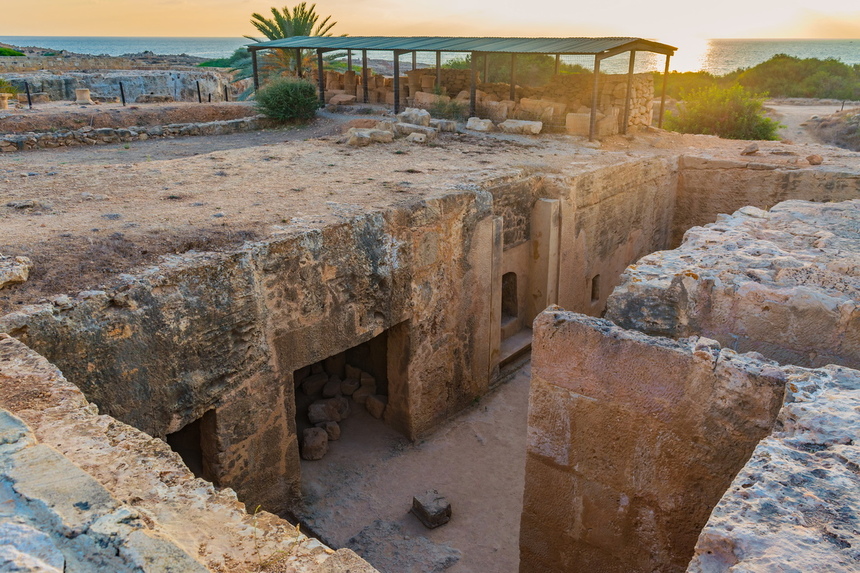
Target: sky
(676, 22)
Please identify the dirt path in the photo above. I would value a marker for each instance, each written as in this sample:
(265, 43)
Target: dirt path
(793, 116)
(359, 494)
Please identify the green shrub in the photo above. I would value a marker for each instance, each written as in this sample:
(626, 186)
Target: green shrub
(288, 99)
(787, 76)
(7, 88)
(9, 52)
(732, 113)
(239, 55)
(449, 110)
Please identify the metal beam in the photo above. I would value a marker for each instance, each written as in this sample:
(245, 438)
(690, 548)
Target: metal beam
(321, 77)
(557, 63)
(592, 122)
(255, 69)
(299, 62)
(349, 60)
(397, 81)
(663, 93)
(414, 60)
(365, 76)
(473, 95)
(486, 75)
(629, 92)
(513, 77)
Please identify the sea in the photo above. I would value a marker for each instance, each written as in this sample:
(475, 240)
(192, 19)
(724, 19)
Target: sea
(719, 56)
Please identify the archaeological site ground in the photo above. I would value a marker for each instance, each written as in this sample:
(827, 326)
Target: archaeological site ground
(229, 346)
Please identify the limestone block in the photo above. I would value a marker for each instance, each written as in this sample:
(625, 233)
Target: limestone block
(407, 128)
(577, 123)
(376, 404)
(4, 100)
(427, 100)
(342, 99)
(431, 509)
(329, 410)
(29, 549)
(360, 137)
(82, 97)
(496, 111)
(361, 395)
(332, 429)
(314, 384)
(314, 443)
(416, 138)
(386, 125)
(352, 371)
(478, 124)
(444, 125)
(815, 160)
(40, 97)
(332, 387)
(349, 386)
(14, 270)
(414, 116)
(521, 126)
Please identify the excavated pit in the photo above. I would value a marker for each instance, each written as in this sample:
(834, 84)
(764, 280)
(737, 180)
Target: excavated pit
(431, 297)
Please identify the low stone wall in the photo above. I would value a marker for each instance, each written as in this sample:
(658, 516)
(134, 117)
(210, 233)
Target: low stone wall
(13, 64)
(781, 282)
(131, 500)
(105, 135)
(632, 441)
(181, 85)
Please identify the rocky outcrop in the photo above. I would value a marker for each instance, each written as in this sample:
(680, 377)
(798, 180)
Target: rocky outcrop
(796, 502)
(128, 498)
(784, 283)
(14, 270)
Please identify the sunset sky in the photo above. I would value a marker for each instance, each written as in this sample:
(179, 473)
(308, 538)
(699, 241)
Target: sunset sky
(670, 21)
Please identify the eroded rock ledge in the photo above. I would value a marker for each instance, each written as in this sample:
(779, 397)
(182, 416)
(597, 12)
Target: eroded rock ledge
(783, 282)
(154, 504)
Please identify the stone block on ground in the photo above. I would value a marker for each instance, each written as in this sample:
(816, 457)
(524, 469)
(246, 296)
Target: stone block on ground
(427, 100)
(416, 138)
(332, 429)
(342, 99)
(750, 149)
(314, 443)
(409, 128)
(352, 372)
(521, 126)
(815, 160)
(332, 387)
(329, 410)
(349, 386)
(431, 509)
(361, 395)
(360, 137)
(478, 124)
(314, 383)
(14, 270)
(414, 116)
(376, 404)
(444, 125)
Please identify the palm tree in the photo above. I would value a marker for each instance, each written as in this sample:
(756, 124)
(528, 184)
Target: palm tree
(301, 21)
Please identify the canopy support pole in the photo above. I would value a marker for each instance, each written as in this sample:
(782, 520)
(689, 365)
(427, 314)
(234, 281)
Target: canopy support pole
(513, 77)
(414, 60)
(557, 63)
(663, 93)
(255, 70)
(439, 71)
(486, 75)
(473, 96)
(299, 62)
(592, 122)
(629, 91)
(349, 60)
(321, 77)
(365, 76)
(397, 55)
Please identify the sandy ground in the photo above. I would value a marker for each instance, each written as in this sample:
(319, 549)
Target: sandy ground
(86, 214)
(793, 117)
(359, 495)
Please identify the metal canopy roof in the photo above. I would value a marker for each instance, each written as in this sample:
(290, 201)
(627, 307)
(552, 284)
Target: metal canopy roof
(572, 46)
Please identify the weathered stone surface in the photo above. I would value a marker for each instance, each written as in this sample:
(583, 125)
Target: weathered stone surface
(361, 137)
(444, 125)
(352, 372)
(750, 149)
(815, 159)
(362, 394)
(331, 410)
(478, 124)
(409, 128)
(314, 383)
(375, 404)
(414, 116)
(332, 430)
(417, 138)
(746, 279)
(314, 443)
(431, 509)
(349, 386)
(206, 523)
(342, 99)
(332, 387)
(795, 503)
(427, 100)
(521, 126)
(632, 441)
(14, 270)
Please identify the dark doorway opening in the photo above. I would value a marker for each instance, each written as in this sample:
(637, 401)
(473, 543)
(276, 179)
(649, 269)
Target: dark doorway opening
(195, 444)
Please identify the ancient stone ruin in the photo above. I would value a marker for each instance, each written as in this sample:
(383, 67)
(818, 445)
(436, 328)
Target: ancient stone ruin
(184, 395)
